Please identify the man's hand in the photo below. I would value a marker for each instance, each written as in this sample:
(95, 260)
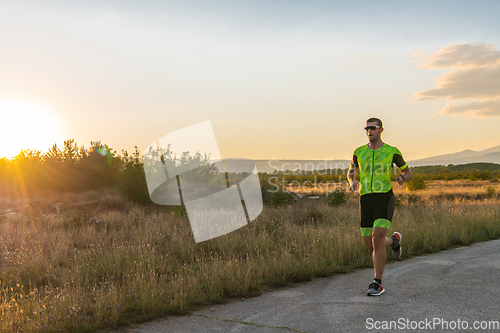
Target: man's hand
(353, 186)
(400, 180)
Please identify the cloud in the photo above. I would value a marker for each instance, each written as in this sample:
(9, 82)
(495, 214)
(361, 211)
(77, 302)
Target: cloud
(418, 56)
(485, 108)
(463, 56)
(476, 76)
(459, 84)
(354, 62)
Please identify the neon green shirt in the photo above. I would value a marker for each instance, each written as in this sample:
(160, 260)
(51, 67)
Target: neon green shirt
(375, 167)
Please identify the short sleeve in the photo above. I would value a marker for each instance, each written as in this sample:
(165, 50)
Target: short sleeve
(354, 161)
(397, 159)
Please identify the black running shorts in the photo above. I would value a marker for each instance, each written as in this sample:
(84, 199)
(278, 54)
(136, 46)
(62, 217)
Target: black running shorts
(376, 210)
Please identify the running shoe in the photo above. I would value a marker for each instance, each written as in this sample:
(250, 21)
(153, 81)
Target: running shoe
(396, 249)
(375, 289)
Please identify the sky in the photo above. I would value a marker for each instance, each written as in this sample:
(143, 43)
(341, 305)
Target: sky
(276, 79)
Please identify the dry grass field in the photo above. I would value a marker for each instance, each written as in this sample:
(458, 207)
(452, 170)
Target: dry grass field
(82, 262)
(434, 188)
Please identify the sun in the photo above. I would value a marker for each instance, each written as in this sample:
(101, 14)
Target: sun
(26, 125)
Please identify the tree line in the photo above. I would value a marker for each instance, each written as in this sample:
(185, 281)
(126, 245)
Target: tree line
(74, 168)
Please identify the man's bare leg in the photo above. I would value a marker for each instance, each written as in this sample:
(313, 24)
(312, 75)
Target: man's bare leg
(379, 254)
(368, 241)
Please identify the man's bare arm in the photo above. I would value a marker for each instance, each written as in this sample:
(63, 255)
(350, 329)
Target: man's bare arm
(351, 176)
(407, 174)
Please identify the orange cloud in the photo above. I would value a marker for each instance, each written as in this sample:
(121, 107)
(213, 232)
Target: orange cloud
(459, 84)
(463, 56)
(485, 108)
(476, 76)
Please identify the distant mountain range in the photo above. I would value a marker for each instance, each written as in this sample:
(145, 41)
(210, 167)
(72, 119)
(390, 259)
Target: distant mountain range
(491, 155)
(309, 165)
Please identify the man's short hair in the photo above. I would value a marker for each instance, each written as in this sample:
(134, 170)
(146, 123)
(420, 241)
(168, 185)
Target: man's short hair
(372, 120)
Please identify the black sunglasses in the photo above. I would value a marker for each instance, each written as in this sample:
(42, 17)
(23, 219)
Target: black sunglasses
(371, 128)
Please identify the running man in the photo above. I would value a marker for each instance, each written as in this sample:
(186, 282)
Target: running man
(375, 164)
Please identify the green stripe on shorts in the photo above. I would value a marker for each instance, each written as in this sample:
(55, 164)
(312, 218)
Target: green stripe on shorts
(382, 223)
(366, 231)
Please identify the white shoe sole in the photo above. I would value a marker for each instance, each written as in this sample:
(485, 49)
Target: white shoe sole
(396, 255)
(377, 294)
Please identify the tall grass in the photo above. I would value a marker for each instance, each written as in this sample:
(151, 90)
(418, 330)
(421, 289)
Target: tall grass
(106, 265)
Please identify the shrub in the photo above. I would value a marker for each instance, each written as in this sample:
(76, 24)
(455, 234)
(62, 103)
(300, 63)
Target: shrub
(336, 198)
(490, 190)
(132, 185)
(132, 180)
(315, 215)
(416, 183)
(276, 199)
(309, 216)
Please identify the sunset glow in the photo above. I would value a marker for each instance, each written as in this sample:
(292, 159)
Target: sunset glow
(277, 80)
(26, 125)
